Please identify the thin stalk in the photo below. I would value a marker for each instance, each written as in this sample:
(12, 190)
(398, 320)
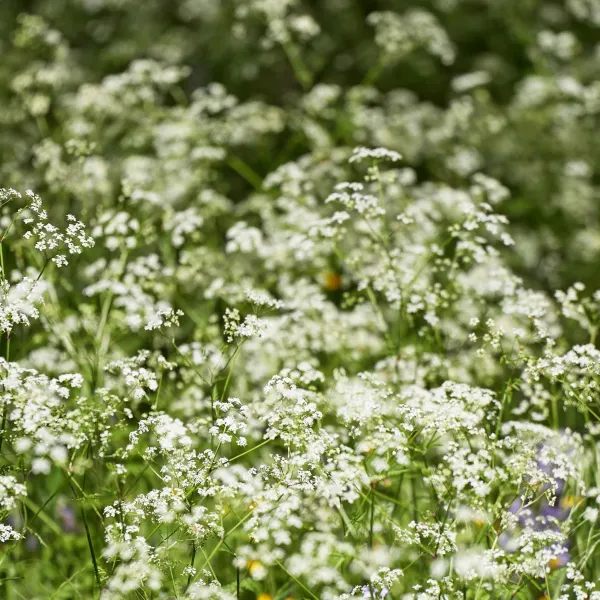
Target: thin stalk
(192, 560)
(296, 580)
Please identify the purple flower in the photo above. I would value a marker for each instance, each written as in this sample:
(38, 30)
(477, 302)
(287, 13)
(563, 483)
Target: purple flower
(32, 543)
(371, 596)
(68, 518)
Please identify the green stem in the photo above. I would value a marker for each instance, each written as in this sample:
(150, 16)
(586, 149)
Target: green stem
(246, 172)
(296, 580)
(303, 75)
(192, 560)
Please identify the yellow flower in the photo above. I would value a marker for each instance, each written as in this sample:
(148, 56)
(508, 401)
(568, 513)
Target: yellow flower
(264, 596)
(570, 501)
(256, 569)
(252, 565)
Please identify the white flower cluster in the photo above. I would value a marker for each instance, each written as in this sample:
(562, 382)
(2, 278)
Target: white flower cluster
(303, 353)
(398, 35)
(49, 238)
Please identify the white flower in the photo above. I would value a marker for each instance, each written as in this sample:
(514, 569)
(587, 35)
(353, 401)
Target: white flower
(41, 465)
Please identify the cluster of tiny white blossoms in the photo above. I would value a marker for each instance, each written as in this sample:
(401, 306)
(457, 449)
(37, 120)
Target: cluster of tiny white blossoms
(327, 327)
(398, 35)
(49, 239)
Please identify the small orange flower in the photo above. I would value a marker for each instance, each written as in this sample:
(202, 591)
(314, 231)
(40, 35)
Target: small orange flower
(554, 563)
(332, 281)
